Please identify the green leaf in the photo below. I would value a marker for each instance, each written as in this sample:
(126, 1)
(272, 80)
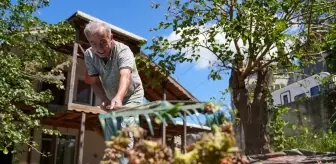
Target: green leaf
(5, 151)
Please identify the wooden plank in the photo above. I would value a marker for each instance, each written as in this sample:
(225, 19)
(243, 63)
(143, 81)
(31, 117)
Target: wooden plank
(80, 144)
(86, 108)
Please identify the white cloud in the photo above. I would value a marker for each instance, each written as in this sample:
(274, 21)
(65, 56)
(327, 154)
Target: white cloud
(207, 58)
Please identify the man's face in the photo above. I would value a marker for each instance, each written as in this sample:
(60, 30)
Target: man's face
(101, 44)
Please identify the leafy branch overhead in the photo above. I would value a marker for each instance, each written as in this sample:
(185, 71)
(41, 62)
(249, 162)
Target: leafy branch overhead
(159, 112)
(28, 55)
(251, 40)
(246, 36)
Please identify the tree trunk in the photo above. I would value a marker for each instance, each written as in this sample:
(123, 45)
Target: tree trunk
(252, 110)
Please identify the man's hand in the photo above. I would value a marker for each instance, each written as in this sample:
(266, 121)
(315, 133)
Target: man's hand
(105, 104)
(116, 102)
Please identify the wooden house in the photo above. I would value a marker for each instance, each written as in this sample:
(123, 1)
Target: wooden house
(76, 108)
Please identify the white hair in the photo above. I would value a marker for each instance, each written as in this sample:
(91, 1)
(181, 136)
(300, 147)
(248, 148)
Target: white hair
(95, 27)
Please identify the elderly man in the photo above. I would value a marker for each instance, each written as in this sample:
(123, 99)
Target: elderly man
(112, 71)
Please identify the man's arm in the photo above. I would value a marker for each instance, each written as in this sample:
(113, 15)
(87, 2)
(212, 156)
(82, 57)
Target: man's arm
(125, 75)
(98, 89)
(126, 61)
(95, 81)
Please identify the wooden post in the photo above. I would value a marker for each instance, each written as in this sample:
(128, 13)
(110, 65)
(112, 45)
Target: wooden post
(73, 70)
(80, 143)
(184, 134)
(163, 127)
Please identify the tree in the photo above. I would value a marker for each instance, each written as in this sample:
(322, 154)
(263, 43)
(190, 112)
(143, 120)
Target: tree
(27, 52)
(249, 38)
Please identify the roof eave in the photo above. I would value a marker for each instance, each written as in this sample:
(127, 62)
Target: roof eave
(115, 29)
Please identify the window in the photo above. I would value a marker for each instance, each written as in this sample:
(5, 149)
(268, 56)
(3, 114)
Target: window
(300, 97)
(285, 99)
(58, 94)
(83, 95)
(315, 90)
(64, 150)
(46, 150)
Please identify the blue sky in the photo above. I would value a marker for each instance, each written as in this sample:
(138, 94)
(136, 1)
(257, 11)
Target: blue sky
(138, 17)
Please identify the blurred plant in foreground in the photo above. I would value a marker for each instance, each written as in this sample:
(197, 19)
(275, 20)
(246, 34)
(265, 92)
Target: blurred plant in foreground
(214, 147)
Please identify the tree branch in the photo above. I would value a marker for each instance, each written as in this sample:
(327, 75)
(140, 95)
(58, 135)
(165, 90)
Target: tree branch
(259, 58)
(250, 51)
(263, 66)
(218, 57)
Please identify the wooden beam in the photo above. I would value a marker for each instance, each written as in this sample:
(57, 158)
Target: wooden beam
(152, 94)
(156, 90)
(64, 124)
(80, 144)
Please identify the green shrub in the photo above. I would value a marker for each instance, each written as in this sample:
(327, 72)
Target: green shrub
(309, 140)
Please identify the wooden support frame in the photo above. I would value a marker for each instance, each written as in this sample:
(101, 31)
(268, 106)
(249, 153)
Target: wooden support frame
(184, 134)
(81, 134)
(73, 69)
(163, 126)
(80, 143)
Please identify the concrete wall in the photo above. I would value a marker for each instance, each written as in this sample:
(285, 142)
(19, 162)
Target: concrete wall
(311, 112)
(94, 146)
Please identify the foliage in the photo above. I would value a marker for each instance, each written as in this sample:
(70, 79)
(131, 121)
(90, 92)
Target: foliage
(277, 127)
(144, 151)
(247, 38)
(220, 116)
(303, 138)
(27, 46)
(234, 31)
(330, 47)
(216, 147)
(312, 140)
(158, 111)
